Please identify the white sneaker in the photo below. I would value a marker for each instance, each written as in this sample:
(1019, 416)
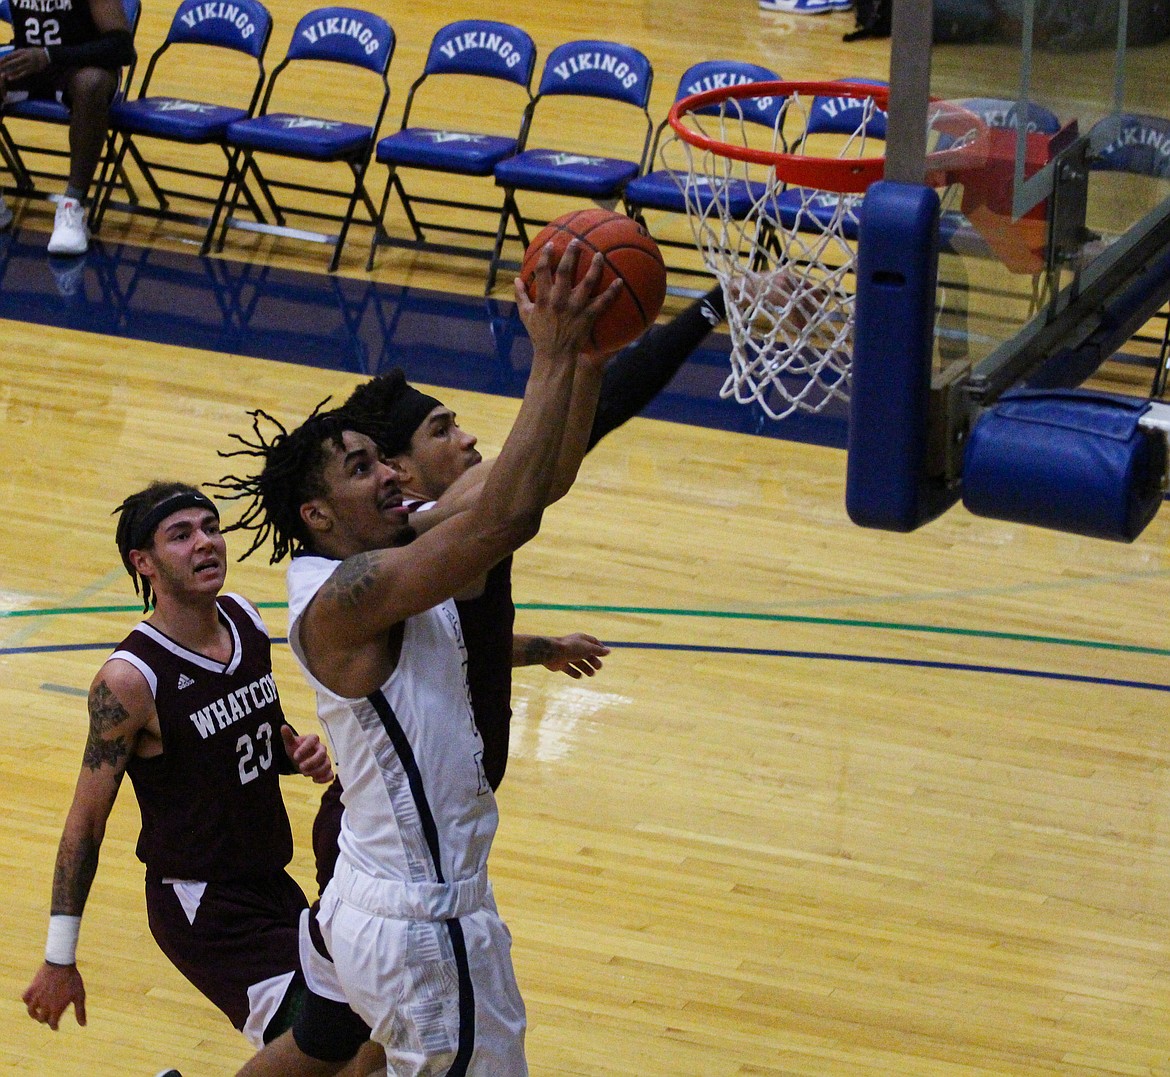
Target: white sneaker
(5, 214)
(70, 234)
(798, 7)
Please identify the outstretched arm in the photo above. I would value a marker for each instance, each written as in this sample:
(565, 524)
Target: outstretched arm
(372, 591)
(637, 374)
(577, 654)
(120, 708)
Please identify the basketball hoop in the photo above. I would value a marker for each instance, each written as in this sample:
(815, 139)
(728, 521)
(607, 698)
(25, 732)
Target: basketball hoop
(773, 174)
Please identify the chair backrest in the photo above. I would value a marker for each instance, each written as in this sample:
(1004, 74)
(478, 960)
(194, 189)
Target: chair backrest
(343, 35)
(714, 74)
(598, 69)
(242, 25)
(133, 9)
(839, 115)
(496, 50)
(1004, 112)
(1138, 143)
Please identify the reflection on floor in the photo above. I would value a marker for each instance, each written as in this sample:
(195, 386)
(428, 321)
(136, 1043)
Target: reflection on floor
(335, 322)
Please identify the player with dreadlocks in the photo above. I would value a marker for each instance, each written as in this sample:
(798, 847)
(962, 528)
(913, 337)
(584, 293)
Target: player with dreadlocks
(187, 706)
(432, 453)
(409, 918)
(436, 458)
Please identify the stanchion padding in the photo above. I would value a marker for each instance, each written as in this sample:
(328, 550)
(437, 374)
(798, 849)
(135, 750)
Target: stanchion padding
(1070, 460)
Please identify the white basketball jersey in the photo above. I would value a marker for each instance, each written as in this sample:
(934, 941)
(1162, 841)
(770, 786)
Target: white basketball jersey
(418, 808)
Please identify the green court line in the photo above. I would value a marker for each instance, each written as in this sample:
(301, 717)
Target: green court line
(728, 615)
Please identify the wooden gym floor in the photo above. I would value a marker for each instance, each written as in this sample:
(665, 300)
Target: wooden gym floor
(841, 803)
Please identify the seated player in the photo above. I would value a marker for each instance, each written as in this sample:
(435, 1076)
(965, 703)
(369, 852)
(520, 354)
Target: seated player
(70, 50)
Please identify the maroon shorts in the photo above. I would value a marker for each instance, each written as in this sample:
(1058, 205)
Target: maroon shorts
(231, 937)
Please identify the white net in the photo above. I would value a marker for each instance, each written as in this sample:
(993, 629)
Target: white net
(785, 255)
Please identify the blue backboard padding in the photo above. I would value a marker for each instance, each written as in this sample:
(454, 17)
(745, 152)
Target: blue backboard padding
(1068, 460)
(887, 485)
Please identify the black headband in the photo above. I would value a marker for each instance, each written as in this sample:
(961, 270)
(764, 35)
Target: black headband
(144, 529)
(396, 421)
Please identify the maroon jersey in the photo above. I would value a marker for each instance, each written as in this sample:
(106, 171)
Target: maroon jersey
(211, 804)
(487, 622)
(36, 23)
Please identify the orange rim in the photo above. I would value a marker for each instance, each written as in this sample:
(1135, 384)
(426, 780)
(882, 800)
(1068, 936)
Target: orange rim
(845, 176)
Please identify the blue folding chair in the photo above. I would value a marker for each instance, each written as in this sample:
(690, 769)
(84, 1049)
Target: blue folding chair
(475, 49)
(1137, 143)
(592, 71)
(53, 112)
(665, 189)
(334, 35)
(854, 118)
(956, 234)
(244, 28)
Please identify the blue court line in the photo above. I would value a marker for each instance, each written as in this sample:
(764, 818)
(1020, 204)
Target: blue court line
(754, 652)
(916, 663)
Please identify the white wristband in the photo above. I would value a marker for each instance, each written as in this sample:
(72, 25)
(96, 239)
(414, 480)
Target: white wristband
(61, 945)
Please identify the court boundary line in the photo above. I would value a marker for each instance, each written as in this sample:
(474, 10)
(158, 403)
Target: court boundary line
(664, 611)
(750, 652)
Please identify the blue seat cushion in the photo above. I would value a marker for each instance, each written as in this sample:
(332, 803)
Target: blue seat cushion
(466, 152)
(561, 172)
(45, 109)
(660, 190)
(300, 136)
(957, 235)
(175, 118)
(818, 213)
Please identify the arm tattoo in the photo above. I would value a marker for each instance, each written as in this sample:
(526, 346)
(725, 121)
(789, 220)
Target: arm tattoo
(353, 580)
(536, 651)
(105, 713)
(73, 876)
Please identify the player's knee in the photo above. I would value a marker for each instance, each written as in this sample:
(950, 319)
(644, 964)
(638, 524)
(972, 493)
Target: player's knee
(92, 88)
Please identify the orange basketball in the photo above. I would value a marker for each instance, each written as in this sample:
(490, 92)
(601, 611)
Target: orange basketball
(631, 255)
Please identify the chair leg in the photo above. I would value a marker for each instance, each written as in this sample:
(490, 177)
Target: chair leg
(380, 230)
(415, 227)
(508, 210)
(265, 189)
(147, 174)
(220, 203)
(359, 191)
(14, 162)
(105, 183)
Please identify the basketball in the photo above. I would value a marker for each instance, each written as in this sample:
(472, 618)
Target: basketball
(631, 255)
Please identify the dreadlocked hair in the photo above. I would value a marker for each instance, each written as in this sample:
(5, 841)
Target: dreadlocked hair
(130, 513)
(292, 473)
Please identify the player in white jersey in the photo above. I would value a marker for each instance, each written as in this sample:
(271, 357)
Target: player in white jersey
(409, 918)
